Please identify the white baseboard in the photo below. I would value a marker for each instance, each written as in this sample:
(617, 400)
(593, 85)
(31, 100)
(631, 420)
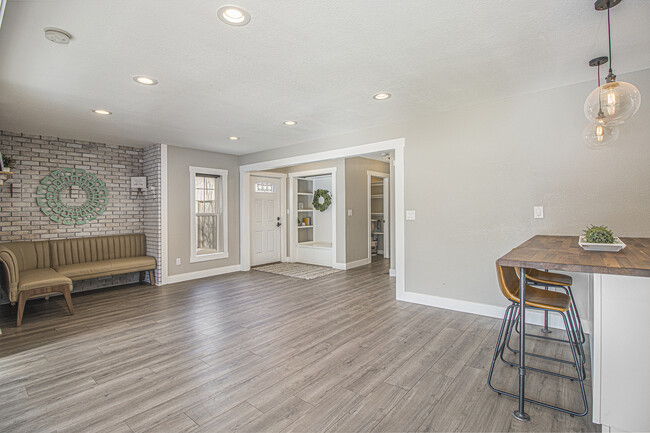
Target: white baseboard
(392, 273)
(534, 317)
(351, 265)
(203, 274)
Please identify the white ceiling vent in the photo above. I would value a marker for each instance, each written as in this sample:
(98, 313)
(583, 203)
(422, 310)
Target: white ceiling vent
(57, 36)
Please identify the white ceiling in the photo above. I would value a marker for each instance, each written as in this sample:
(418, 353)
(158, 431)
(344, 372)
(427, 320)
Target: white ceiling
(314, 61)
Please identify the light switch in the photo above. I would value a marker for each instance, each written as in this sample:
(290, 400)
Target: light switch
(410, 215)
(538, 211)
(349, 212)
(178, 261)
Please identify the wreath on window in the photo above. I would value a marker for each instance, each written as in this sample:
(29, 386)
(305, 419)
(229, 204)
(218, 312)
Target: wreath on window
(322, 200)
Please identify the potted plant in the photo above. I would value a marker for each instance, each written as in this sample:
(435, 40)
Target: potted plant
(600, 238)
(8, 162)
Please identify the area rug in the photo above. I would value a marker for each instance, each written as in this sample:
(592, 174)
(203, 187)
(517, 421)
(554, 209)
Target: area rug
(297, 270)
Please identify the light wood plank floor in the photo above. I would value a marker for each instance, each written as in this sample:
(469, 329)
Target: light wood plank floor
(261, 352)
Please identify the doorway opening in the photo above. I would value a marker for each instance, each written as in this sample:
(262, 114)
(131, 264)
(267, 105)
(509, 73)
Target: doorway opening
(379, 215)
(267, 202)
(352, 231)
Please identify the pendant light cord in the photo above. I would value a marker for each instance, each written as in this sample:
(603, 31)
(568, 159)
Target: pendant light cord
(609, 39)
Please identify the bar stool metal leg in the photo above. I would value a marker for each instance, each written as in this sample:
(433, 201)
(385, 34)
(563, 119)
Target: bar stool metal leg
(509, 320)
(545, 329)
(520, 414)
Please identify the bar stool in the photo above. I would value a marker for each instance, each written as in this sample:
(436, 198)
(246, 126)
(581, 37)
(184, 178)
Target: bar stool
(536, 277)
(544, 300)
(547, 280)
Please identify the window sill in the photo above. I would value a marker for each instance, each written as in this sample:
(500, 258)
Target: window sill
(208, 257)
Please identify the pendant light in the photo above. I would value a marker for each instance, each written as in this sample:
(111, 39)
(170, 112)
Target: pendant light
(597, 134)
(618, 101)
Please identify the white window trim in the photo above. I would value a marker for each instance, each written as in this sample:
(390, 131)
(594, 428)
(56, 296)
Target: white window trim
(194, 258)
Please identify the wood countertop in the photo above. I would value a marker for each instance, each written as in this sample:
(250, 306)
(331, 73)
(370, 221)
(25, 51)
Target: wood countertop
(562, 253)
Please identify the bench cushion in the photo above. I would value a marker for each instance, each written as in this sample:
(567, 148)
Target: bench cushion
(38, 278)
(105, 268)
(86, 270)
(133, 264)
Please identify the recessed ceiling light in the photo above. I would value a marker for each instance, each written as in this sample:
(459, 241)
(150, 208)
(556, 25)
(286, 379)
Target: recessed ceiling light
(142, 79)
(57, 36)
(233, 138)
(102, 112)
(381, 96)
(233, 15)
(289, 122)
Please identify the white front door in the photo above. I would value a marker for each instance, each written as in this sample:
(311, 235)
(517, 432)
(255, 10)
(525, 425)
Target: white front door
(265, 220)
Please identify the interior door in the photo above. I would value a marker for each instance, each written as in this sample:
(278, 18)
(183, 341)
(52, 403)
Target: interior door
(265, 220)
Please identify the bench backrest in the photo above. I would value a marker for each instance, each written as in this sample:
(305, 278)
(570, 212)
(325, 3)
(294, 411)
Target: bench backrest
(91, 249)
(30, 255)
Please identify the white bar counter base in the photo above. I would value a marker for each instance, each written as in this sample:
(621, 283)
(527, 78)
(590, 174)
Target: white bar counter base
(621, 353)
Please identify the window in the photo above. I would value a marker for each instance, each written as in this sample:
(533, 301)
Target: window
(209, 214)
(264, 187)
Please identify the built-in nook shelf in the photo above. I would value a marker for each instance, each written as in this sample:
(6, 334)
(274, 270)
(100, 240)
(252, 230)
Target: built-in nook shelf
(377, 196)
(313, 242)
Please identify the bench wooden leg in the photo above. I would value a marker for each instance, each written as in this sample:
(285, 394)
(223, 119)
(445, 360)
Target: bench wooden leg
(151, 280)
(24, 295)
(22, 298)
(68, 300)
(142, 276)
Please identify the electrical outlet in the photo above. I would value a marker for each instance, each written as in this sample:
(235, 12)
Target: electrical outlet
(538, 211)
(349, 212)
(178, 261)
(410, 215)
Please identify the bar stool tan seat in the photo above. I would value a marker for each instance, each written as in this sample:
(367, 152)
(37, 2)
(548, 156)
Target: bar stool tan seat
(544, 300)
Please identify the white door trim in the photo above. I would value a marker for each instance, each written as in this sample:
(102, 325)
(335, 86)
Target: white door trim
(384, 176)
(294, 212)
(396, 144)
(283, 209)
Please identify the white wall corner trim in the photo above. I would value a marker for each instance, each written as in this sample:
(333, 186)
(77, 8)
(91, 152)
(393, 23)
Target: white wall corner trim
(352, 265)
(203, 274)
(532, 316)
(163, 214)
(392, 273)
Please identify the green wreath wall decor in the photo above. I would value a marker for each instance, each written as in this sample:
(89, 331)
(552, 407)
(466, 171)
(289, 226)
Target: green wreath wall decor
(327, 200)
(48, 196)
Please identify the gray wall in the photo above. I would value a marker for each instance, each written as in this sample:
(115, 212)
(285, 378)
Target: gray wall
(356, 190)
(473, 176)
(178, 204)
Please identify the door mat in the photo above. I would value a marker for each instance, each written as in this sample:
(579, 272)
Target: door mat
(297, 270)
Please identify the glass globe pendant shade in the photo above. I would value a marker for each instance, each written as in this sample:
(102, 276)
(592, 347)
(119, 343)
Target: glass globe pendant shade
(613, 103)
(599, 136)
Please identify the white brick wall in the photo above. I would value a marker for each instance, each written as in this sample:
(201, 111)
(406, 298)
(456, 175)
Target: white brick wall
(128, 211)
(152, 206)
